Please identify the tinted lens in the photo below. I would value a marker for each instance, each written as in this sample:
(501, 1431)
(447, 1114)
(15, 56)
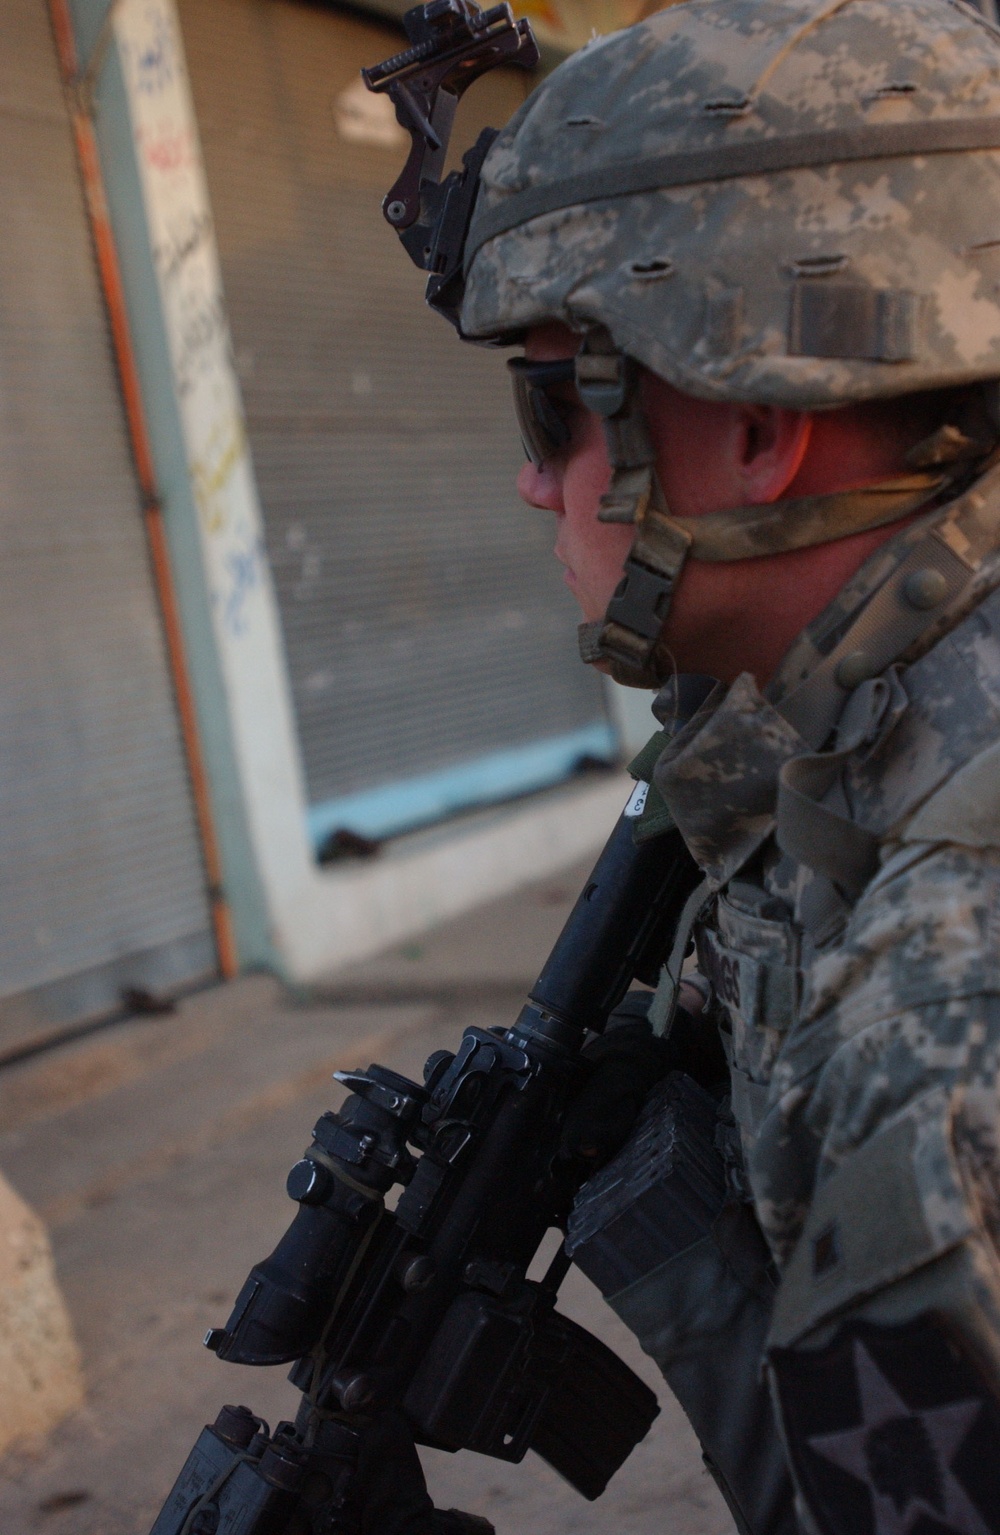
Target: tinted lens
(543, 429)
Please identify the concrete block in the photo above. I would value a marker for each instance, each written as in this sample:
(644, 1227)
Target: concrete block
(41, 1379)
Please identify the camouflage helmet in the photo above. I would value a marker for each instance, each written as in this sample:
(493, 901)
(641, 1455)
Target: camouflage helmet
(794, 202)
(791, 202)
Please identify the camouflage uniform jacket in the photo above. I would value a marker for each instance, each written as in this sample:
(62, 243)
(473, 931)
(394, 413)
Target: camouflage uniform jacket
(853, 937)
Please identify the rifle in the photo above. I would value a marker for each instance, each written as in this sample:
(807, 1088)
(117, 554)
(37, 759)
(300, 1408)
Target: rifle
(427, 1308)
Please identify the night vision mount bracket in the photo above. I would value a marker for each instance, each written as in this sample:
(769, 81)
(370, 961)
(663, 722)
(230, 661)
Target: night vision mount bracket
(453, 42)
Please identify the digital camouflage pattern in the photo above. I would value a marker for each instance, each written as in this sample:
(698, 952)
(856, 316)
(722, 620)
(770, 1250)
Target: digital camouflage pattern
(863, 1040)
(803, 288)
(860, 1015)
(848, 1023)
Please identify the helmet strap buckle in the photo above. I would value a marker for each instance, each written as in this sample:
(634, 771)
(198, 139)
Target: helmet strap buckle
(607, 381)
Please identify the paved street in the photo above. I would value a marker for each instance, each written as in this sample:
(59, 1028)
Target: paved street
(157, 1151)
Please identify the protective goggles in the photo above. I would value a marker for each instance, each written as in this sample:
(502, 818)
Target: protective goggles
(541, 415)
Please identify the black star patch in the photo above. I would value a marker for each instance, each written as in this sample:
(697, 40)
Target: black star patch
(892, 1431)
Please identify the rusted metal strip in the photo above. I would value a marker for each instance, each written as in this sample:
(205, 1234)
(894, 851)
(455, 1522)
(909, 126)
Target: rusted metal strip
(109, 272)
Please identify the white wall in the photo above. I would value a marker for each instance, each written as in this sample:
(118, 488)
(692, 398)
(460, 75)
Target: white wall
(312, 919)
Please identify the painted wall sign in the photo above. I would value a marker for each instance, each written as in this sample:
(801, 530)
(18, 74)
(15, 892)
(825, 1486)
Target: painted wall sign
(568, 24)
(560, 25)
(365, 118)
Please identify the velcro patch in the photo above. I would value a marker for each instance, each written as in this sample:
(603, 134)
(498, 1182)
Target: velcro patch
(892, 1431)
(834, 319)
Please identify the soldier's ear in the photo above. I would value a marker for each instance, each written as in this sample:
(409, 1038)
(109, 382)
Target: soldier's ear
(771, 443)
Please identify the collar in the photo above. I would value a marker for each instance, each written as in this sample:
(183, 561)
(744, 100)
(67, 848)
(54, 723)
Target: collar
(727, 779)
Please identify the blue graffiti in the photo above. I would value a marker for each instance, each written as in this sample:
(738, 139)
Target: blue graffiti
(243, 567)
(155, 65)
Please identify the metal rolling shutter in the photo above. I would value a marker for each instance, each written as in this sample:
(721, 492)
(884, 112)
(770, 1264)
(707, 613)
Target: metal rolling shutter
(101, 883)
(425, 621)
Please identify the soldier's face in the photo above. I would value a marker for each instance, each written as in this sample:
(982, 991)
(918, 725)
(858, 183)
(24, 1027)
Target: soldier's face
(733, 616)
(571, 484)
(695, 442)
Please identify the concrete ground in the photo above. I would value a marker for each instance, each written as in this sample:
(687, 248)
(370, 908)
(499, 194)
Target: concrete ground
(157, 1150)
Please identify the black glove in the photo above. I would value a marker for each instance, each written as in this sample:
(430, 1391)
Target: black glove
(389, 1494)
(388, 1491)
(625, 1063)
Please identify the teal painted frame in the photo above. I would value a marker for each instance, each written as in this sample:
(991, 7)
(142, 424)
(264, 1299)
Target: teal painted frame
(106, 90)
(386, 810)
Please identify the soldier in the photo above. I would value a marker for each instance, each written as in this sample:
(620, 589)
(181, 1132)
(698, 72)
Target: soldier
(753, 250)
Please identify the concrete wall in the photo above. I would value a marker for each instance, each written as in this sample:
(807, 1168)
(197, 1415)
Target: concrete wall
(40, 1375)
(631, 712)
(288, 913)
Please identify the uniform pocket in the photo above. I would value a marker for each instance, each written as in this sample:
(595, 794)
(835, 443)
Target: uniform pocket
(892, 1206)
(761, 996)
(688, 1300)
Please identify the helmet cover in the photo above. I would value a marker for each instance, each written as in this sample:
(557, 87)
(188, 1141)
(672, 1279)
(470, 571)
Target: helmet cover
(794, 202)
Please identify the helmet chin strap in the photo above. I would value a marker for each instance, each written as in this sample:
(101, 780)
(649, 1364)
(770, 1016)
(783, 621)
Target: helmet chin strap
(627, 637)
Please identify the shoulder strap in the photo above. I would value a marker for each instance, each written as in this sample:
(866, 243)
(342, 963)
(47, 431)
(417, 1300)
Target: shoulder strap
(931, 588)
(927, 593)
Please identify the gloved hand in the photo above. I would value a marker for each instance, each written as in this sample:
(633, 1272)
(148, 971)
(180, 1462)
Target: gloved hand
(388, 1491)
(389, 1494)
(625, 1063)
